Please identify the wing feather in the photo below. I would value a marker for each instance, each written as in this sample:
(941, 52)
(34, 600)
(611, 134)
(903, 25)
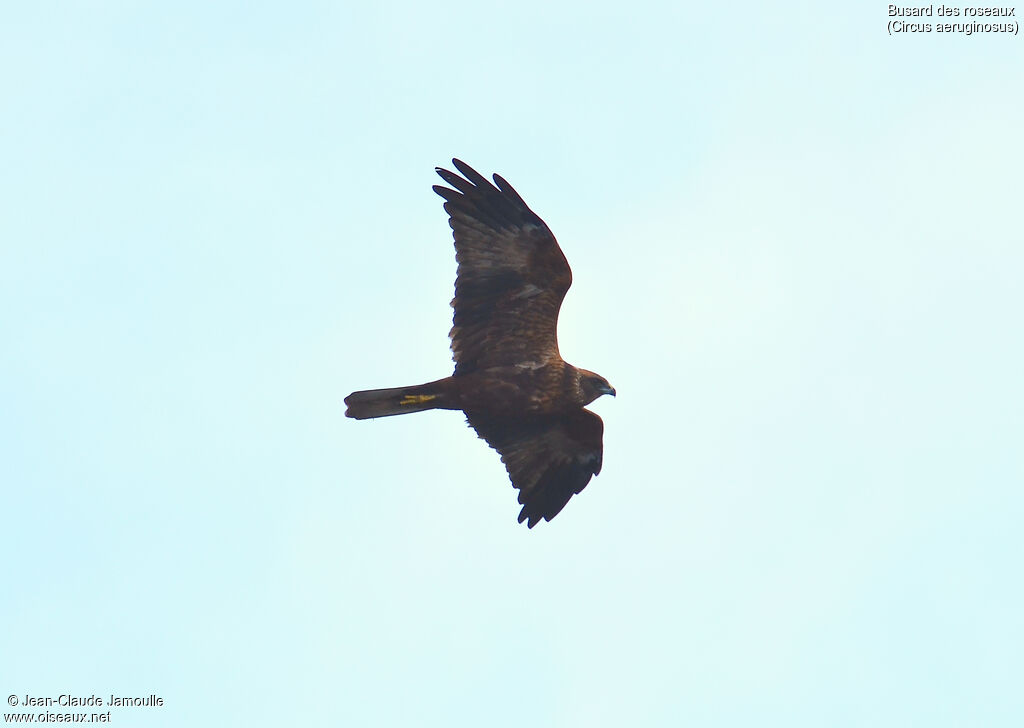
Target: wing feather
(548, 460)
(511, 279)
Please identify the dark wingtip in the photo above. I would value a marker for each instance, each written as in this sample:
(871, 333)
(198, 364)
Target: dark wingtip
(471, 174)
(532, 519)
(441, 171)
(448, 194)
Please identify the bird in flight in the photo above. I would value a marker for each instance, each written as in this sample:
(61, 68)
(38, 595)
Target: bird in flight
(509, 380)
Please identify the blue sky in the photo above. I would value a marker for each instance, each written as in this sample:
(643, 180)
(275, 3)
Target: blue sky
(797, 252)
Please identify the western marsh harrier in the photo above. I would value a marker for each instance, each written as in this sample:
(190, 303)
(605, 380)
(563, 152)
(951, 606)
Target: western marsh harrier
(515, 389)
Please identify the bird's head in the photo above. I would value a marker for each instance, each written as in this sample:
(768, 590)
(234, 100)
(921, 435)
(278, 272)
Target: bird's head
(593, 386)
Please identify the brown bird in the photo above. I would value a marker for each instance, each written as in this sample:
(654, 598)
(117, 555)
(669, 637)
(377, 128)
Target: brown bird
(515, 389)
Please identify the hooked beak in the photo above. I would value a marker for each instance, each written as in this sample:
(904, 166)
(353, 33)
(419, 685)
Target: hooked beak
(609, 390)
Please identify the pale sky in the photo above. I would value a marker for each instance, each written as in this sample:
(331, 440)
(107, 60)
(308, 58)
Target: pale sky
(797, 251)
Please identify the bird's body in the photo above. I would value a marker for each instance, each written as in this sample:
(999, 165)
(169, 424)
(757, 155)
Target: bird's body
(503, 391)
(509, 380)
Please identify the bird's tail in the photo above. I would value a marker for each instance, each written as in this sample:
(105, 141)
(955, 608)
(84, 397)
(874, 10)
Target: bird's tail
(397, 400)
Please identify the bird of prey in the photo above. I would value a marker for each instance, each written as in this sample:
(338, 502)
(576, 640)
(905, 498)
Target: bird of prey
(509, 380)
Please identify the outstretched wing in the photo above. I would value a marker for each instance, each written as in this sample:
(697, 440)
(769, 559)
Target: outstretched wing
(548, 460)
(512, 276)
